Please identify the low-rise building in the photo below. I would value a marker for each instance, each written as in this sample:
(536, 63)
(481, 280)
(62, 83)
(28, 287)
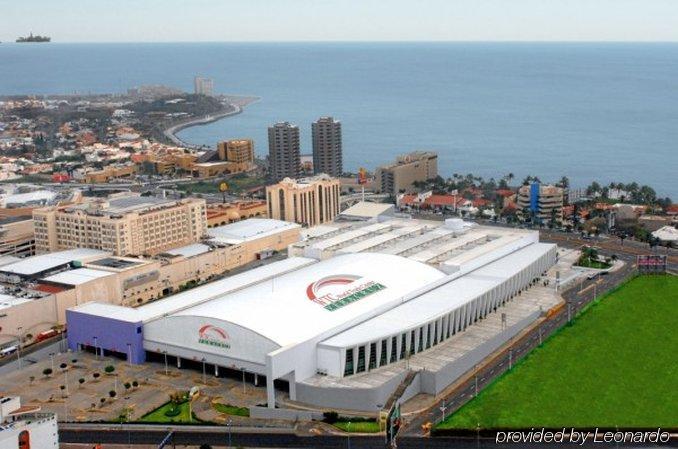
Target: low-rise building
(26, 427)
(110, 172)
(221, 214)
(400, 176)
(16, 236)
(36, 291)
(308, 201)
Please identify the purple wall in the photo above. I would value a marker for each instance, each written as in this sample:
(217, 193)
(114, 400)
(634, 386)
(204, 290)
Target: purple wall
(106, 333)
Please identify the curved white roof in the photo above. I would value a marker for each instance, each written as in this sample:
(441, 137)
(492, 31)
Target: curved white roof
(346, 289)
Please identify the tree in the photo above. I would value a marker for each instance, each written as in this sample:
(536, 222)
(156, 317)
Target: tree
(127, 385)
(112, 394)
(96, 376)
(63, 366)
(135, 383)
(564, 182)
(81, 381)
(31, 380)
(102, 400)
(47, 372)
(109, 369)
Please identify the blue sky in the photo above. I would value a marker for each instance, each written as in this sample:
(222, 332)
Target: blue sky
(340, 20)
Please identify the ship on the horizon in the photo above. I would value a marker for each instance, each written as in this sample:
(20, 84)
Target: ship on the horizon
(36, 38)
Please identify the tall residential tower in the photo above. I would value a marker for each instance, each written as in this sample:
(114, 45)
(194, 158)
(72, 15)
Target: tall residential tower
(283, 151)
(327, 152)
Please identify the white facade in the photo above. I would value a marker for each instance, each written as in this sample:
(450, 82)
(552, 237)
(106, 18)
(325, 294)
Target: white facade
(362, 297)
(22, 427)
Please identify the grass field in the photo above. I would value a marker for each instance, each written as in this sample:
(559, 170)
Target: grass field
(358, 427)
(231, 409)
(616, 365)
(159, 415)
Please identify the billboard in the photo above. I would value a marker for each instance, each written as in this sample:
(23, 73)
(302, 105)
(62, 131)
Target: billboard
(651, 263)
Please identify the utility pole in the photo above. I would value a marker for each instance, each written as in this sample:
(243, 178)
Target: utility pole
(443, 407)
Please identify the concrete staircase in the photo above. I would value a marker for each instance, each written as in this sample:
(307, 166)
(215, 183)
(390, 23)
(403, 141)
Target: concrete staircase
(397, 394)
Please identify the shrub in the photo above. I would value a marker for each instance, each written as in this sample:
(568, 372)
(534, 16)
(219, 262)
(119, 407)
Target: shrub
(330, 417)
(175, 410)
(47, 372)
(109, 369)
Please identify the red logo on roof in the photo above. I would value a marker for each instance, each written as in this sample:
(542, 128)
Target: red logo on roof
(332, 300)
(213, 336)
(313, 290)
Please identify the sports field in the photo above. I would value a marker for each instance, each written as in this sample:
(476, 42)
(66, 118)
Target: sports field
(616, 365)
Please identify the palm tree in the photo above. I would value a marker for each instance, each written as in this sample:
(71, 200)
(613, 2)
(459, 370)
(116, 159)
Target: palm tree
(564, 182)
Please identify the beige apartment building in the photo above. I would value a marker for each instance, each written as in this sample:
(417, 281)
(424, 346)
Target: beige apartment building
(237, 150)
(543, 201)
(308, 201)
(122, 225)
(16, 236)
(399, 176)
(110, 172)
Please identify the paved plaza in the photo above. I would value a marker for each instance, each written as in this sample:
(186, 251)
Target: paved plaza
(82, 402)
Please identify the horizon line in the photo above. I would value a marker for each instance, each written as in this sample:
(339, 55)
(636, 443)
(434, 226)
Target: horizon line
(378, 41)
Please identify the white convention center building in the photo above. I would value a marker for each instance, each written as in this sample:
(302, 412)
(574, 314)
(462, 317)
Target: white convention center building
(342, 321)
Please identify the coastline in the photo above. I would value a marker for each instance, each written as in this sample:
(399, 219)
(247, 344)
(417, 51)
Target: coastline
(235, 104)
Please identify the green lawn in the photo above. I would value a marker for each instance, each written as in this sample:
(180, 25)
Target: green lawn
(358, 427)
(617, 365)
(159, 415)
(231, 409)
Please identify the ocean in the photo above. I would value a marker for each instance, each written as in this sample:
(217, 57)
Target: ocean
(590, 111)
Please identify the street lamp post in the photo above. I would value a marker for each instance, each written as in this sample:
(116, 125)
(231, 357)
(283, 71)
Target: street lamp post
(228, 426)
(166, 370)
(51, 357)
(443, 408)
(204, 381)
(18, 346)
(348, 434)
(244, 386)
